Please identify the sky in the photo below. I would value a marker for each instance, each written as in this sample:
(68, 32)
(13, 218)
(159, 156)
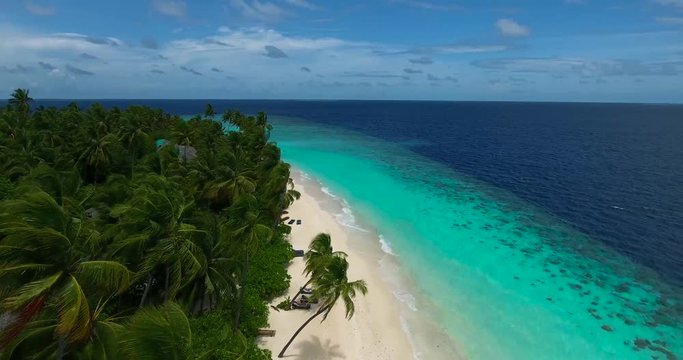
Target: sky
(503, 50)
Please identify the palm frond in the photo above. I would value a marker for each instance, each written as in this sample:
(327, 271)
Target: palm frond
(73, 311)
(104, 274)
(157, 333)
(30, 291)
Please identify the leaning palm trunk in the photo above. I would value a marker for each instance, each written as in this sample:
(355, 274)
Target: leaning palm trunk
(320, 311)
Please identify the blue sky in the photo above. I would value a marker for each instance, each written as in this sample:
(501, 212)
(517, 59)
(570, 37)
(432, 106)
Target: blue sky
(545, 50)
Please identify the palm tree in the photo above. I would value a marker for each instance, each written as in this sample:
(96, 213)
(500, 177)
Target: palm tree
(21, 101)
(318, 256)
(332, 285)
(183, 135)
(248, 227)
(216, 280)
(157, 333)
(153, 224)
(209, 113)
(228, 189)
(64, 186)
(133, 136)
(47, 262)
(96, 155)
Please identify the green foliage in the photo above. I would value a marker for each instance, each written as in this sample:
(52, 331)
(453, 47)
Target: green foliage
(268, 274)
(254, 313)
(6, 188)
(157, 333)
(95, 221)
(285, 304)
(213, 339)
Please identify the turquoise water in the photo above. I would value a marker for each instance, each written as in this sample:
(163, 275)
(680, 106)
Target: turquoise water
(504, 279)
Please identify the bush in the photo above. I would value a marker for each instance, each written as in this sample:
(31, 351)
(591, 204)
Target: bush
(213, 339)
(285, 304)
(268, 271)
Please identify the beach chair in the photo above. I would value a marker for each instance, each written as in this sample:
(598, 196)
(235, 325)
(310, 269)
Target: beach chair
(300, 305)
(307, 291)
(308, 300)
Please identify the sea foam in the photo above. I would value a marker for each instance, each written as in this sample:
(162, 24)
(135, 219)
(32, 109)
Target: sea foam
(406, 329)
(327, 191)
(346, 218)
(384, 244)
(407, 298)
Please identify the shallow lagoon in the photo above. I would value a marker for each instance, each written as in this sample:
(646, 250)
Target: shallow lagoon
(505, 279)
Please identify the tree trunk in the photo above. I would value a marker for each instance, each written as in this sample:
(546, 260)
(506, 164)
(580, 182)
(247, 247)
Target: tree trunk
(148, 284)
(61, 345)
(132, 165)
(168, 272)
(302, 289)
(245, 268)
(320, 311)
(201, 301)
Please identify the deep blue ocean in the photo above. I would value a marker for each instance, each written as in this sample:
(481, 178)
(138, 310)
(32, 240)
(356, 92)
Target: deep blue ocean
(603, 180)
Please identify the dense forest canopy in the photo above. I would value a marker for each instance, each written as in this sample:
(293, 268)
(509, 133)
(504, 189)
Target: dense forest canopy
(132, 233)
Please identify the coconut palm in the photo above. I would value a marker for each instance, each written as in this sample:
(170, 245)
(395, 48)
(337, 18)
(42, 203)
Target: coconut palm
(190, 230)
(216, 280)
(153, 223)
(47, 263)
(64, 186)
(230, 187)
(103, 342)
(320, 253)
(21, 101)
(209, 113)
(134, 135)
(157, 333)
(96, 156)
(183, 135)
(332, 285)
(249, 228)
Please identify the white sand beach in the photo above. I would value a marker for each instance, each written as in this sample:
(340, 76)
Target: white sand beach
(375, 330)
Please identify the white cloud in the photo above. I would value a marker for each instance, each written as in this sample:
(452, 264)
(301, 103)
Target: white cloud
(174, 8)
(469, 49)
(511, 28)
(670, 20)
(304, 4)
(584, 67)
(12, 40)
(427, 5)
(37, 9)
(260, 10)
(676, 3)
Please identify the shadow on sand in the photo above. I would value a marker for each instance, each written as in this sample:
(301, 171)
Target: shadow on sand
(315, 349)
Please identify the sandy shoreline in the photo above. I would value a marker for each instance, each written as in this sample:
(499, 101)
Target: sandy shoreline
(375, 332)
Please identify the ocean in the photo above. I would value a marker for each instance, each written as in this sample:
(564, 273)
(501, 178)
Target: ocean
(523, 230)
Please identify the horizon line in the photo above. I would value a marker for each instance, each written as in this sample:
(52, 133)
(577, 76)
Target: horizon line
(365, 100)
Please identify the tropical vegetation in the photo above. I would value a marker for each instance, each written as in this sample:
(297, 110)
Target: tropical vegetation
(136, 234)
